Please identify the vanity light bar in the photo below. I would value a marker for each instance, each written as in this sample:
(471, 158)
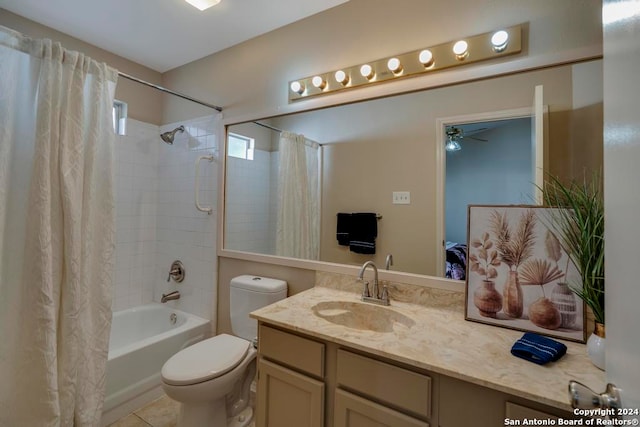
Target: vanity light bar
(507, 41)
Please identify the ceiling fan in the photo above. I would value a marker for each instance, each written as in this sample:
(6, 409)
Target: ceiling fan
(456, 134)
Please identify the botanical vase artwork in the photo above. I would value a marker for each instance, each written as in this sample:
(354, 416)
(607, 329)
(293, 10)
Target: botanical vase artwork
(562, 297)
(542, 312)
(518, 273)
(484, 262)
(514, 247)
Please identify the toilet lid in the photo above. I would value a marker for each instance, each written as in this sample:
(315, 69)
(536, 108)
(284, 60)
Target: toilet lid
(205, 360)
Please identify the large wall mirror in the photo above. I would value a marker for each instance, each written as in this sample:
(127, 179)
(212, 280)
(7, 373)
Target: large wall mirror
(387, 157)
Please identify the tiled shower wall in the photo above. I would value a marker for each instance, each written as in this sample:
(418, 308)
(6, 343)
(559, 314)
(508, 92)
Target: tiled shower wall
(248, 228)
(136, 198)
(183, 232)
(157, 221)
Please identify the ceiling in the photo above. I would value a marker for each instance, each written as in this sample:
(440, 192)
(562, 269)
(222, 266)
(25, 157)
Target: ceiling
(164, 34)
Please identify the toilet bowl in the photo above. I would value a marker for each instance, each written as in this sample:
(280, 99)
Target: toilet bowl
(212, 379)
(201, 377)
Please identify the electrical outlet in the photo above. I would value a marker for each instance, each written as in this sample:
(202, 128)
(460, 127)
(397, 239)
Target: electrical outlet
(401, 198)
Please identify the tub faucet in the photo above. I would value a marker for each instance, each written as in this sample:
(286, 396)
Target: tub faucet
(170, 296)
(374, 297)
(176, 272)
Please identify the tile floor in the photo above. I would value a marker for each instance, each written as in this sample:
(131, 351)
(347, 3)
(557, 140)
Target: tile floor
(162, 412)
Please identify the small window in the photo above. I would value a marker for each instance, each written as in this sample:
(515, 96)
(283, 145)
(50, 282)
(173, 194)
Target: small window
(120, 117)
(240, 146)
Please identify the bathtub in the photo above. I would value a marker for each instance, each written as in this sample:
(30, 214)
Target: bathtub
(142, 339)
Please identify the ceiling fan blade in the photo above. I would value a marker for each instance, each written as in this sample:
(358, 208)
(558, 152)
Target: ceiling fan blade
(477, 139)
(471, 132)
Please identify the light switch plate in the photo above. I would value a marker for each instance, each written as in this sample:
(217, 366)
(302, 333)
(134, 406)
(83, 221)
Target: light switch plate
(401, 198)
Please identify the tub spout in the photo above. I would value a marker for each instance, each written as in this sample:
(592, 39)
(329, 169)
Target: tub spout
(170, 296)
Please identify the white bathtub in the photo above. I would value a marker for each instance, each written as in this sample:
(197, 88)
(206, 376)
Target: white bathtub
(142, 339)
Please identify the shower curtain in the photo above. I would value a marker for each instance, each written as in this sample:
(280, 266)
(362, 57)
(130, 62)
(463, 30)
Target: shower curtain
(56, 232)
(298, 212)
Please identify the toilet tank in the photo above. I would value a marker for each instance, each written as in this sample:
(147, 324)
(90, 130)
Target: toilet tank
(249, 293)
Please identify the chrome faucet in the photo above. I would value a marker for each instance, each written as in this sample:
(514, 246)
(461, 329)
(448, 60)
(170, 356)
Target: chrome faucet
(373, 297)
(170, 296)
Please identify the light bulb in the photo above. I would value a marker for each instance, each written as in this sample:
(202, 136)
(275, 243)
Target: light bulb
(426, 58)
(202, 4)
(452, 145)
(394, 66)
(319, 82)
(341, 77)
(460, 49)
(500, 40)
(297, 87)
(367, 72)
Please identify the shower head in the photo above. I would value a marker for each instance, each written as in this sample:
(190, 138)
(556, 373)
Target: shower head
(168, 136)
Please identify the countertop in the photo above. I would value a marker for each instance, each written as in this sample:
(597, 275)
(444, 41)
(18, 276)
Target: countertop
(442, 341)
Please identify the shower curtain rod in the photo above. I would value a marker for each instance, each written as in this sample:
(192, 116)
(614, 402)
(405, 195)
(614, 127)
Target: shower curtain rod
(164, 89)
(278, 130)
(269, 127)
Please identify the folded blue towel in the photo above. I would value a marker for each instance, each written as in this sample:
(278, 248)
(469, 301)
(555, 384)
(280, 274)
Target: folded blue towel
(538, 349)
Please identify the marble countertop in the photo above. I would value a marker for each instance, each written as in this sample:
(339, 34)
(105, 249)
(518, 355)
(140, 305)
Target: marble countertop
(442, 341)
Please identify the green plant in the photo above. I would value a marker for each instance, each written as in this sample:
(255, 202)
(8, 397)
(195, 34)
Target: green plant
(579, 224)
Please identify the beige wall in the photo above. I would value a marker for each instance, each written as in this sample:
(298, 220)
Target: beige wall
(250, 80)
(145, 104)
(398, 153)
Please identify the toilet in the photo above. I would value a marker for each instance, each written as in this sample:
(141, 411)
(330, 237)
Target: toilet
(212, 379)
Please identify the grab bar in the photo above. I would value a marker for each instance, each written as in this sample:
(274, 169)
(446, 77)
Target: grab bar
(197, 185)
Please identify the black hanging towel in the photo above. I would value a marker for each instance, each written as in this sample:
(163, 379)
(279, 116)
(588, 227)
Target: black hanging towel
(343, 228)
(363, 233)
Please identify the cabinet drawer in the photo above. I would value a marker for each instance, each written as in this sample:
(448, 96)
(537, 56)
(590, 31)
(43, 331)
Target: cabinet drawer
(354, 411)
(521, 413)
(387, 383)
(300, 353)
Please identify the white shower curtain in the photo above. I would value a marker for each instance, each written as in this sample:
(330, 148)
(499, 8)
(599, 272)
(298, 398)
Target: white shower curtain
(56, 232)
(298, 213)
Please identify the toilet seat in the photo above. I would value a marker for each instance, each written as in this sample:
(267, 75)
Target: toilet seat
(205, 360)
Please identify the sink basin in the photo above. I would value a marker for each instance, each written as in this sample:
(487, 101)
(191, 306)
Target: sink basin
(362, 316)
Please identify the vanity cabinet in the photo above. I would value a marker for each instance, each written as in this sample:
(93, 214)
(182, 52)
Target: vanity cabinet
(389, 395)
(290, 380)
(354, 411)
(464, 404)
(287, 398)
(303, 381)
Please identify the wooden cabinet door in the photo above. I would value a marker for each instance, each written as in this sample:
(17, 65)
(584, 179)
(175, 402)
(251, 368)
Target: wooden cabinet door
(287, 398)
(353, 411)
(521, 413)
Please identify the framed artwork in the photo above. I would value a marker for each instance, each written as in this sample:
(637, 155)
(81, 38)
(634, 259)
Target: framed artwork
(518, 274)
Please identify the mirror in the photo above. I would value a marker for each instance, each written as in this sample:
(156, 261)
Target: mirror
(375, 151)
